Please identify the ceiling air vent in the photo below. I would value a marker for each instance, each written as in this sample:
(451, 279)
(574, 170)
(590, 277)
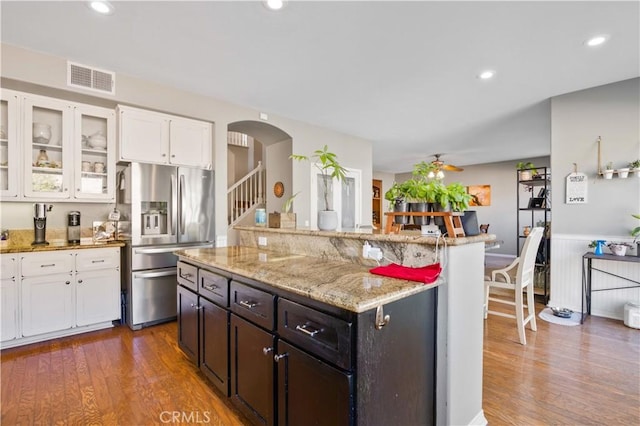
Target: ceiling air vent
(91, 78)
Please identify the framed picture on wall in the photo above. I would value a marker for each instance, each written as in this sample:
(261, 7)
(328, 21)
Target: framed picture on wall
(480, 195)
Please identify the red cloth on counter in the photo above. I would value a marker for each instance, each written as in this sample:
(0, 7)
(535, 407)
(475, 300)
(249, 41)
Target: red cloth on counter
(425, 274)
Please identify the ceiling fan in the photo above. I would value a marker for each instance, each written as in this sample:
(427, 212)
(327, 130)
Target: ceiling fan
(446, 167)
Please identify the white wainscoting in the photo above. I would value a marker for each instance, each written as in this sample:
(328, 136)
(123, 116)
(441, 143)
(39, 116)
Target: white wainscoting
(566, 277)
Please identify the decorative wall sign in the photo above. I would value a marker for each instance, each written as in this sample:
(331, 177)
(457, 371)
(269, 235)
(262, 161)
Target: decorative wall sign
(577, 186)
(480, 195)
(278, 189)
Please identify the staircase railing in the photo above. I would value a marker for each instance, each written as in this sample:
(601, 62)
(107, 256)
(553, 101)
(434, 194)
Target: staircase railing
(246, 194)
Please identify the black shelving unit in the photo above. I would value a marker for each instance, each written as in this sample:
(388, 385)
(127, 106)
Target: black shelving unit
(535, 209)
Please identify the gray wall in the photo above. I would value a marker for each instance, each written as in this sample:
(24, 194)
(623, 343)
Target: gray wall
(612, 112)
(279, 170)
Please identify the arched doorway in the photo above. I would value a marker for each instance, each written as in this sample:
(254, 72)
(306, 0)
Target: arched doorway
(259, 143)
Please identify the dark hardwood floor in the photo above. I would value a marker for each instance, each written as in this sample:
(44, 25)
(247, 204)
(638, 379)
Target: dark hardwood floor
(583, 375)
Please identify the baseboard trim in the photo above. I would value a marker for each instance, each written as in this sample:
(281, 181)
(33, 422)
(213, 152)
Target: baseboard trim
(479, 419)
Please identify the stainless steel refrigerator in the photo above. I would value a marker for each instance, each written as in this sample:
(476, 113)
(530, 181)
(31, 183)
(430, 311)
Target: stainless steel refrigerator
(169, 208)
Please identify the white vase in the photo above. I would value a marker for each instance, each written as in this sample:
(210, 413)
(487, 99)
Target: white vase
(327, 220)
(623, 173)
(637, 172)
(608, 174)
(525, 175)
(618, 250)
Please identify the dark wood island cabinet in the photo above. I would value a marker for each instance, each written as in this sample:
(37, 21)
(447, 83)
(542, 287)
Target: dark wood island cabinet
(288, 359)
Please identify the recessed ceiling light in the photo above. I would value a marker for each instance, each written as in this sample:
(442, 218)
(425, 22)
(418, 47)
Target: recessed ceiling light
(273, 4)
(597, 40)
(486, 75)
(103, 7)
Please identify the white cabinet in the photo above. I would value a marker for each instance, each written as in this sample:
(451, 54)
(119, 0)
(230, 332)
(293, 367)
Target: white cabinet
(60, 293)
(9, 145)
(51, 139)
(48, 157)
(47, 292)
(97, 286)
(143, 136)
(152, 137)
(47, 304)
(8, 297)
(95, 153)
(190, 143)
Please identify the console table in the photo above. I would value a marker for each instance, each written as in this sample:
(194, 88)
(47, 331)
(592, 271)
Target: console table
(451, 220)
(587, 269)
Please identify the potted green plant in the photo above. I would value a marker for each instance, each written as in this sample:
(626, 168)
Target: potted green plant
(458, 197)
(285, 219)
(608, 170)
(527, 170)
(398, 203)
(634, 166)
(635, 233)
(327, 163)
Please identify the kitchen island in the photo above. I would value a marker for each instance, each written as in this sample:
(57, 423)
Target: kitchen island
(398, 352)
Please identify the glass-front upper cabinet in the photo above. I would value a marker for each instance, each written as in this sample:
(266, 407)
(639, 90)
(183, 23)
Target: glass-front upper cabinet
(46, 133)
(94, 141)
(9, 137)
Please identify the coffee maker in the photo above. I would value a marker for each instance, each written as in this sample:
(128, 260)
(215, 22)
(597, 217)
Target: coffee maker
(73, 227)
(40, 223)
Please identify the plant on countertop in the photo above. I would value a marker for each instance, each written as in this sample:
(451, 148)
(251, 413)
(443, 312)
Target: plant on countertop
(455, 195)
(327, 163)
(395, 193)
(609, 166)
(634, 164)
(288, 205)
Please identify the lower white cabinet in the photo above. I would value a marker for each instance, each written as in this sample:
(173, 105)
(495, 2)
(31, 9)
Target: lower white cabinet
(97, 296)
(58, 293)
(47, 304)
(8, 297)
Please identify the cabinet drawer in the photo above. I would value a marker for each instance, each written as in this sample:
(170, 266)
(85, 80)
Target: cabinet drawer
(188, 276)
(47, 263)
(255, 305)
(92, 259)
(320, 334)
(214, 287)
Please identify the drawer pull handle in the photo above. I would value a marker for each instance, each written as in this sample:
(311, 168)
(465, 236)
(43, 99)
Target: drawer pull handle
(248, 305)
(48, 265)
(266, 350)
(187, 275)
(98, 261)
(211, 287)
(307, 330)
(278, 357)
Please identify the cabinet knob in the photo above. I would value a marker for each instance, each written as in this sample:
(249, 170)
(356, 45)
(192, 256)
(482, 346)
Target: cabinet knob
(278, 357)
(68, 282)
(267, 350)
(79, 281)
(173, 156)
(164, 155)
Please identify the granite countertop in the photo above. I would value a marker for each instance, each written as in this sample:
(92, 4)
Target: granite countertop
(22, 246)
(369, 235)
(346, 285)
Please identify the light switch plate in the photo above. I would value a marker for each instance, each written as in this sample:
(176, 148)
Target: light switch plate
(262, 241)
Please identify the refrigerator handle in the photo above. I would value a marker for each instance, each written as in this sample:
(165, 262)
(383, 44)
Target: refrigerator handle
(182, 208)
(174, 206)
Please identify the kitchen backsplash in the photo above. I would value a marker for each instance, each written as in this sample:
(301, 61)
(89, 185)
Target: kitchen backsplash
(19, 215)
